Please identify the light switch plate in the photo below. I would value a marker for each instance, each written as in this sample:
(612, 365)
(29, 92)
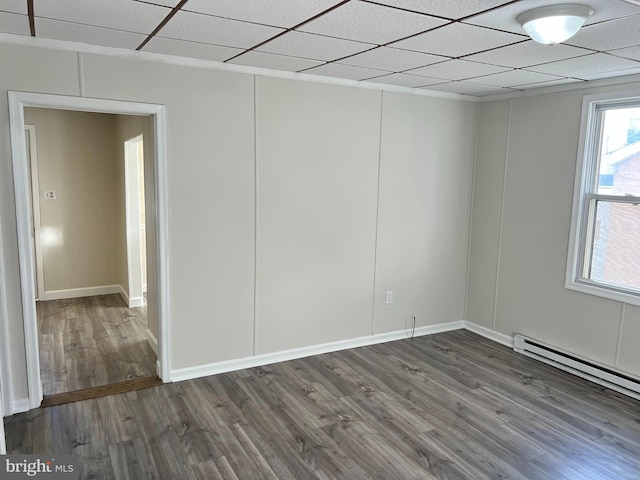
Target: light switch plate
(49, 195)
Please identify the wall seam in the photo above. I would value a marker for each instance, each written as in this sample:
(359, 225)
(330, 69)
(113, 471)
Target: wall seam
(81, 73)
(616, 358)
(375, 243)
(255, 217)
(471, 205)
(504, 189)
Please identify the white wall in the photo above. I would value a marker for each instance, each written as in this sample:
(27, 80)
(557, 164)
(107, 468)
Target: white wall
(317, 158)
(423, 220)
(491, 146)
(521, 229)
(316, 167)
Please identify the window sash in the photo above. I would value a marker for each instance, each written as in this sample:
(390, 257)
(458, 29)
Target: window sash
(587, 238)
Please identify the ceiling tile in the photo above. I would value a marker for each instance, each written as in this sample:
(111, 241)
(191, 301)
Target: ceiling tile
(116, 14)
(14, 23)
(526, 54)
(630, 52)
(620, 33)
(392, 59)
(279, 13)
(182, 48)
(458, 39)
(196, 27)
(345, 71)
(316, 47)
(514, 78)
(589, 65)
(504, 18)
(366, 22)
(14, 6)
(75, 32)
(275, 62)
(453, 9)
(456, 70)
(469, 89)
(405, 80)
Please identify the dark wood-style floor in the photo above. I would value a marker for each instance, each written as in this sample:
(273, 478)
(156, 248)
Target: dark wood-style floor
(447, 406)
(92, 341)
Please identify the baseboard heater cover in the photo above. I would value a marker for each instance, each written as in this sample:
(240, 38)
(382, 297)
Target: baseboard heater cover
(595, 373)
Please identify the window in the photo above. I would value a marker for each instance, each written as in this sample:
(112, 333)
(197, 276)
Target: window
(604, 249)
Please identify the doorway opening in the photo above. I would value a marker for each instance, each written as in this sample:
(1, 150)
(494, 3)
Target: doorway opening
(93, 328)
(87, 301)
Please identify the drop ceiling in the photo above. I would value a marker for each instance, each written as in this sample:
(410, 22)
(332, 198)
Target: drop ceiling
(470, 47)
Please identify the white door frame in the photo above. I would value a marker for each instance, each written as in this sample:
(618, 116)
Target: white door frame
(35, 205)
(132, 215)
(17, 102)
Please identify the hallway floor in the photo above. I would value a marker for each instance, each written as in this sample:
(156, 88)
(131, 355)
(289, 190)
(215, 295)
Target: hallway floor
(92, 341)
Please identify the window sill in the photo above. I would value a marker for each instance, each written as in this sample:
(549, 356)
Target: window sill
(603, 291)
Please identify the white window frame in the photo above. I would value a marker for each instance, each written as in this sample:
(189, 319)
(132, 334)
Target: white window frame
(590, 125)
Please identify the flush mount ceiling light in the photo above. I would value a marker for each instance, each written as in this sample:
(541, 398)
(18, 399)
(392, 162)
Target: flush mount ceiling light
(555, 23)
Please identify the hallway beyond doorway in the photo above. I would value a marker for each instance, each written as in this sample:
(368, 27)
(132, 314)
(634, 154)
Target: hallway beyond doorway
(92, 341)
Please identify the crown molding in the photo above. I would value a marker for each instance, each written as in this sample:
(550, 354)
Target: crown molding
(581, 85)
(76, 47)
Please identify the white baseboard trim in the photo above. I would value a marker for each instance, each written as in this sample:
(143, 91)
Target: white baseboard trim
(189, 373)
(20, 405)
(136, 302)
(132, 302)
(433, 329)
(81, 292)
(488, 333)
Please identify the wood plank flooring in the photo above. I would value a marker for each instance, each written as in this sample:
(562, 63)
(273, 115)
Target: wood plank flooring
(447, 406)
(91, 342)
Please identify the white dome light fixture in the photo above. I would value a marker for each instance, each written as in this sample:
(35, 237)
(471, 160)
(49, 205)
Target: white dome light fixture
(555, 23)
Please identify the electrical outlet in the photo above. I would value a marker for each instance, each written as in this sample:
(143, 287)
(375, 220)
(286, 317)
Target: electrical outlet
(388, 298)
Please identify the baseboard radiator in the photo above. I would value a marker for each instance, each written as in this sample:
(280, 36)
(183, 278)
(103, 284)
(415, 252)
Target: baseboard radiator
(595, 373)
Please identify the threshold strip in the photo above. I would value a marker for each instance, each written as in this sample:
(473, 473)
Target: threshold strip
(100, 391)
